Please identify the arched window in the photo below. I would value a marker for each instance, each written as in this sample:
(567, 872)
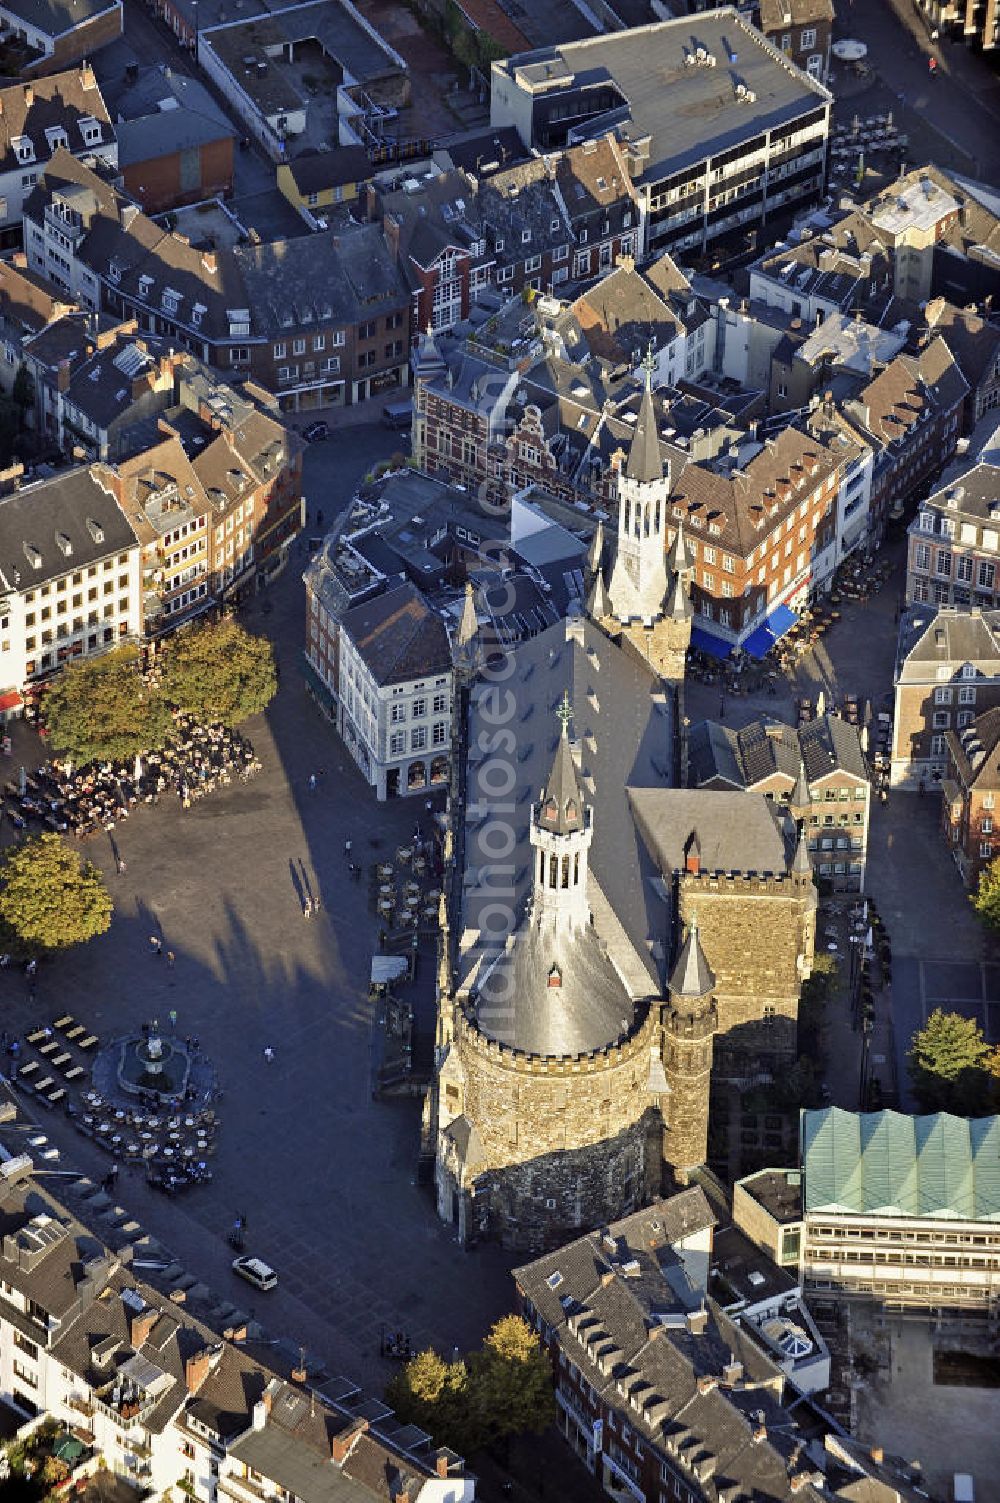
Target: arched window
(565, 871)
(572, 812)
(553, 870)
(576, 869)
(541, 867)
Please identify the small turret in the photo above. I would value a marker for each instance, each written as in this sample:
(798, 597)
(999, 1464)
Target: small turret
(802, 863)
(561, 832)
(595, 555)
(690, 1020)
(800, 797)
(467, 652)
(598, 605)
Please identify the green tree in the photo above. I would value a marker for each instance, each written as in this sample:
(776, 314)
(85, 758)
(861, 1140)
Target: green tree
(986, 898)
(220, 672)
(511, 1378)
(435, 1395)
(49, 897)
(101, 710)
(949, 1063)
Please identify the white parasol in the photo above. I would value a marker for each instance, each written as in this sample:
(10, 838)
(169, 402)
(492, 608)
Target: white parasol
(849, 51)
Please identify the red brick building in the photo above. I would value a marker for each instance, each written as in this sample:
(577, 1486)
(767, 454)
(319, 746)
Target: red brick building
(761, 533)
(179, 152)
(970, 788)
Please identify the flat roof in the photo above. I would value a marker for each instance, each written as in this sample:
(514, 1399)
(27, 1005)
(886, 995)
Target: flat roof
(688, 108)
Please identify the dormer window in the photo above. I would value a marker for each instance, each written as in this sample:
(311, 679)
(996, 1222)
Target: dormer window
(90, 130)
(554, 227)
(64, 543)
(56, 136)
(525, 237)
(114, 272)
(145, 283)
(171, 300)
(24, 148)
(198, 313)
(33, 555)
(96, 530)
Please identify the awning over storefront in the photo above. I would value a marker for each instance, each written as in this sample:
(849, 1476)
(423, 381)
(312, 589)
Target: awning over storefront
(10, 701)
(759, 643)
(705, 642)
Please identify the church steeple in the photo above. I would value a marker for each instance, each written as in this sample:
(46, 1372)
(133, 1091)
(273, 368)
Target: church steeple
(466, 651)
(644, 462)
(598, 605)
(595, 555)
(561, 832)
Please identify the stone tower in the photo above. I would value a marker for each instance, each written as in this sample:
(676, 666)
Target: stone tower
(647, 600)
(561, 832)
(690, 1020)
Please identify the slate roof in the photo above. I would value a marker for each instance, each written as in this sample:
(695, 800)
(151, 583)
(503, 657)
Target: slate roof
(101, 386)
(974, 749)
(619, 1301)
(61, 100)
(56, 17)
(623, 731)
(745, 505)
(930, 638)
(28, 301)
(644, 463)
(187, 117)
(595, 184)
(66, 507)
(759, 750)
(398, 636)
(314, 171)
(974, 342)
(738, 832)
(621, 313)
(483, 149)
(936, 1167)
(589, 1008)
(689, 112)
(692, 976)
(892, 404)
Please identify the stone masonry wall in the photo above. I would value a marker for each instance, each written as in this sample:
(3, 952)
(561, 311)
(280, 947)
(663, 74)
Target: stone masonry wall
(753, 934)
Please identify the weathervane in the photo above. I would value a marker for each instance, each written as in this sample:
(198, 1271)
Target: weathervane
(564, 712)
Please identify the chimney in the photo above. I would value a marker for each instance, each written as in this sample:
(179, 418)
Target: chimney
(798, 1482)
(210, 261)
(261, 1410)
(733, 1370)
(877, 1455)
(692, 853)
(29, 96)
(697, 1322)
(87, 79)
(441, 1463)
(141, 1324)
(707, 1383)
(19, 259)
(62, 375)
(343, 1444)
(196, 1369)
(759, 1432)
(783, 488)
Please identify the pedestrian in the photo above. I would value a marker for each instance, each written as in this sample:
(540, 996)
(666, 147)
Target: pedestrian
(173, 1019)
(312, 782)
(121, 866)
(307, 908)
(157, 944)
(347, 848)
(268, 1054)
(171, 957)
(428, 805)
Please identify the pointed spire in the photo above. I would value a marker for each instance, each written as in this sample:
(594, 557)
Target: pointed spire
(677, 602)
(468, 626)
(561, 808)
(680, 559)
(800, 797)
(644, 462)
(802, 865)
(595, 558)
(598, 604)
(692, 975)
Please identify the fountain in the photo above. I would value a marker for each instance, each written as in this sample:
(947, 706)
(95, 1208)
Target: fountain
(152, 1063)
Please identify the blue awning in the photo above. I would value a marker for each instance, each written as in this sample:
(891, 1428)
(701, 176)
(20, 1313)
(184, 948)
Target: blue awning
(759, 643)
(705, 642)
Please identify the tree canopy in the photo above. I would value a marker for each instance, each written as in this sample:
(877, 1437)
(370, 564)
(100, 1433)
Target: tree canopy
(502, 1390)
(220, 673)
(49, 897)
(951, 1065)
(986, 898)
(101, 710)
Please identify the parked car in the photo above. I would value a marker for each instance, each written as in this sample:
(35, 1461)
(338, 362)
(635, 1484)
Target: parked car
(316, 432)
(398, 414)
(255, 1271)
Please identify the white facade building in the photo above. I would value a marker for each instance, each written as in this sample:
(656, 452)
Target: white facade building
(395, 692)
(69, 576)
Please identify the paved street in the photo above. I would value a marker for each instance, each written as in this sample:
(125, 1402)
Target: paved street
(953, 119)
(324, 1174)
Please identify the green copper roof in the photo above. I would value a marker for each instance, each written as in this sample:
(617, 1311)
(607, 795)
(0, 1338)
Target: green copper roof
(886, 1164)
